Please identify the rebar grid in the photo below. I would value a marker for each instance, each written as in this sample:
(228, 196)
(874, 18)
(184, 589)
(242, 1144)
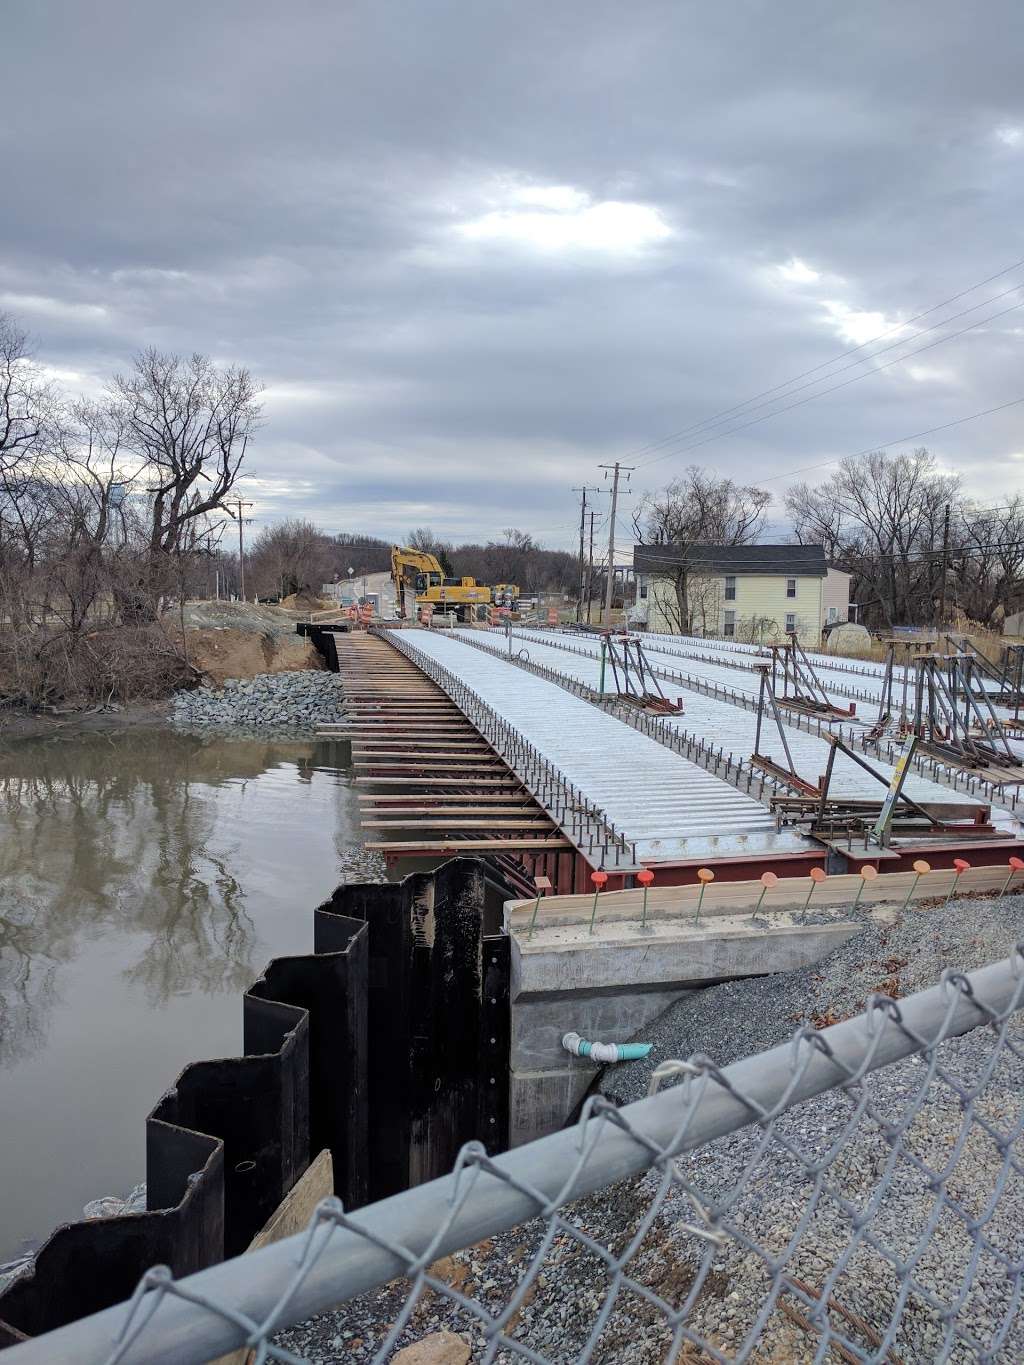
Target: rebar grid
(926, 765)
(854, 1194)
(582, 821)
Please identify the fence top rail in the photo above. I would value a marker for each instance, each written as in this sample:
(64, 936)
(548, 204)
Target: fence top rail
(247, 1299)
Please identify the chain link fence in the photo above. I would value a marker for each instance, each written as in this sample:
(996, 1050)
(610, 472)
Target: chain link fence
(855, 1194)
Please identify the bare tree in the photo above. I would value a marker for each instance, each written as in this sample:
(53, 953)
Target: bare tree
(291, 556)
(423, 538)
(881, 518)
(188, 422)
(694, 510)
(28, 417)
(986, 560)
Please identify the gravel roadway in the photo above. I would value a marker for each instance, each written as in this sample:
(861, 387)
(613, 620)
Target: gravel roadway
(792, 1198)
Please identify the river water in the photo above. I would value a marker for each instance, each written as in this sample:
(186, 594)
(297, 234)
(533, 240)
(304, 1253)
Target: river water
(145, 879)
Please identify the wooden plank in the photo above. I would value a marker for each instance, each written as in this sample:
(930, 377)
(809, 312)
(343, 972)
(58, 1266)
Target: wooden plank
(511, 801)
(470, 745)
(508, 783)
(500, 812)
(469, 823)
(427, 765)
(415, 759)
(740, 898)
(479, 845)
(396, 727)
(292, 1215)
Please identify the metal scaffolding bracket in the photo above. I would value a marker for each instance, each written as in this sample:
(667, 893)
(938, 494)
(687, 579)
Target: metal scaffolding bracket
(635, 679)
(944, 700)
(796, 685)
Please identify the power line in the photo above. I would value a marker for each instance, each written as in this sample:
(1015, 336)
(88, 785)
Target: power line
(881, 445)
(864, 360)
(903, 556)
(656, 445)
(717, 436)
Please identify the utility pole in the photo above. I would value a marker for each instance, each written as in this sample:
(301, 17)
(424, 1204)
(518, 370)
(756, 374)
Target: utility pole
(590, 565)
(241, 546)
(583, 575)
(945, 568)
(627, 469)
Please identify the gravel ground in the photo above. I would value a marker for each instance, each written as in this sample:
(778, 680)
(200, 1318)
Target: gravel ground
(287, 701)
(766, 1187)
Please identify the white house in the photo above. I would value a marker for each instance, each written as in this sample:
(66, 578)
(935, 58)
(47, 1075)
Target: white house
(746, 592)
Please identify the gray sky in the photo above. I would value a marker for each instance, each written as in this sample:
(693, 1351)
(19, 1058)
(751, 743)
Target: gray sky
(475, 249)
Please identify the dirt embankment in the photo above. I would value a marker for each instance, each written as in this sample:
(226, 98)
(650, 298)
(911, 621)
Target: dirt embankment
(135, 670)
(235, 640)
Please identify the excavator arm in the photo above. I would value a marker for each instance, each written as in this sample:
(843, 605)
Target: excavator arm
(404, 563)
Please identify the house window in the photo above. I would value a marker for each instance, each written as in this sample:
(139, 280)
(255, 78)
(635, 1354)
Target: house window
(730, 587)
(642, 588)
(833, 614)
(790, 587)
(790, 621)
(730, 622)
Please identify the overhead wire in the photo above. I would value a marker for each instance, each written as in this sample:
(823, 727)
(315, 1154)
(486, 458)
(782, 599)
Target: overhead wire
(715, 421)
(880, 445)
(717, 436)
(852, 350)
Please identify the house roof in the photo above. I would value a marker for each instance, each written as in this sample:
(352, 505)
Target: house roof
(794, 561)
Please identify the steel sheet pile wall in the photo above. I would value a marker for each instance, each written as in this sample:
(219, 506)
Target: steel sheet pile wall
(387, 1045)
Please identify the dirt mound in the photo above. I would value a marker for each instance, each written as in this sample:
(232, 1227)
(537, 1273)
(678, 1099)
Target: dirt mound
(262, 620)
(306, 601)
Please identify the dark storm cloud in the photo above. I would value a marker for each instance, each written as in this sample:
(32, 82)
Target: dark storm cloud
(403, 218)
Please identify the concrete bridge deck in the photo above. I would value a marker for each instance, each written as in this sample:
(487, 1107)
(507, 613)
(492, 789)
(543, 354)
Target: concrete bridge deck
(671, 809)
(721, 722)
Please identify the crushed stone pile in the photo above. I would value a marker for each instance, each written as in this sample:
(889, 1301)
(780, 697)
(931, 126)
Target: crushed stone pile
(293, 700)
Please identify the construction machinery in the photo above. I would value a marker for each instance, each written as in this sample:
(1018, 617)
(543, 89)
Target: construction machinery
(506, 595)
(423, 572)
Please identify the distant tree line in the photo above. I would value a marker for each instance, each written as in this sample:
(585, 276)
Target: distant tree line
(297, 555)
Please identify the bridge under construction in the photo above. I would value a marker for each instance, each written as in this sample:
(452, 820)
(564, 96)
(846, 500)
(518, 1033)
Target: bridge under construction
(508, 744)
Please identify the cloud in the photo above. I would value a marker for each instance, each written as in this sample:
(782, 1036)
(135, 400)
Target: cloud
(474, 251)
(856, 325)
(559, 218)
(39, 306)
(796, 271)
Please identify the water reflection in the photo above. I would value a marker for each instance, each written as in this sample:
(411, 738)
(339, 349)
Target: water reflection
(145, 879)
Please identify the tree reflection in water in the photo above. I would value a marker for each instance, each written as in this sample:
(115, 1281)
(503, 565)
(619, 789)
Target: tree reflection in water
(121, 833)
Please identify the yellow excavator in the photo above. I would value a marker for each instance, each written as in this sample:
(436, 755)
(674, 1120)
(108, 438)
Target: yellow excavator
(431, 587)
(506, 595)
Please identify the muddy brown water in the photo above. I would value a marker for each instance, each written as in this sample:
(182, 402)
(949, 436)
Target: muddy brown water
(145, 879)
